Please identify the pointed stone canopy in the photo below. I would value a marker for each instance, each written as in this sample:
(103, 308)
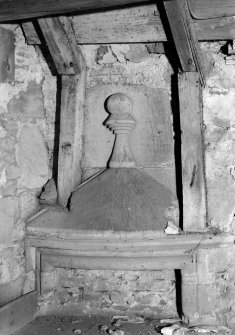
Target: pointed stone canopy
(121, 198)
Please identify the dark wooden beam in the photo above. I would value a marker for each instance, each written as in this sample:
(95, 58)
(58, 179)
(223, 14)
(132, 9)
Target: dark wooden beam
(205, 9)
(11, 10)
(30, 33)
(180, 35)
(63, 48)
(7, 56)
(185, 37)
(24, 9)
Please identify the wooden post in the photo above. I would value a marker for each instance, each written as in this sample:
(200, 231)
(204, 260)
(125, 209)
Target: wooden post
(71, 65)
(7, 56)
(194, 195)
(70, 143)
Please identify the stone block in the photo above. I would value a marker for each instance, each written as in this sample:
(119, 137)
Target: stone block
(207, 297)
(10, 188)
(32, 158)
(18, 231)
(8, 216)
(146, 298)
(48, 281)
(28, 204)
(11, 290)
(12, 172)
(29, 103)
(212, 261)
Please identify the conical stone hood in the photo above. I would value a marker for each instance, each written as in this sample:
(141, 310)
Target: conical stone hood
(121, 198)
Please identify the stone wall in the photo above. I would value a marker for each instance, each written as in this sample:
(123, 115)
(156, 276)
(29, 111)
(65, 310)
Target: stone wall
(216, 275)
(74, 291)
(27, 112)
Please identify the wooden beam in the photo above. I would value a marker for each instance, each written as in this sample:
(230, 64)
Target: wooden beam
(133, 25)
(70, 64)
(185, 37)
(30, 33)
(180, 35)
(205, 9)
(194, 195)
(7, 56)
(18, 313)
(70, 146)
(63, 48)
(215, 29)
(141, 24)
(11, 10)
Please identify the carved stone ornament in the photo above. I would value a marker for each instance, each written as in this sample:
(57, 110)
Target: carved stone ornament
(123, 197)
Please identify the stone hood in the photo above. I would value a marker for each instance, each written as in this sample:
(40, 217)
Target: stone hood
(122, 198)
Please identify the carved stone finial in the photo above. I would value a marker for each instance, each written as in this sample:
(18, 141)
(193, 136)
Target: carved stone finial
(119, 105)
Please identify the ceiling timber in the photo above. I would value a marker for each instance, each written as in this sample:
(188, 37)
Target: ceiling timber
(11, 10)
(133, 25)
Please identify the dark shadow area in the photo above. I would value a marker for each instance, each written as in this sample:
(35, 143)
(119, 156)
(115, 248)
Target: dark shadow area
(177, 144)
(225, 47)
(173, 59)
(178, 289)
(57, 130)
(44, 49)
(172, 56)
(104, 124)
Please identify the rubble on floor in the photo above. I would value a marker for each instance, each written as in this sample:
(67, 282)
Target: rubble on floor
(117, 325)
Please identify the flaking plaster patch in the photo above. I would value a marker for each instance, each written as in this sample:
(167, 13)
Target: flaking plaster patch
(153, 71)
(3, 177)
(3, 132)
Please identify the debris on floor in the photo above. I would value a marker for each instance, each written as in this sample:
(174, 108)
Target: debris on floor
(117, 325)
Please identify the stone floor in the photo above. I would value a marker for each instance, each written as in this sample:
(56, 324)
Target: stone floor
(89, 325)
(99, 325)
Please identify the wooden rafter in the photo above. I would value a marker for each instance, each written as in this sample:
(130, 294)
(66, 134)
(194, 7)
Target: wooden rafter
(180, 36)
(30, 33)
(25, 9)
(63, 48)
(185, 37)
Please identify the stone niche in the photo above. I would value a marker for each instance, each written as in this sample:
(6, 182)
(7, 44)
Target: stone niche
(146, 80)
